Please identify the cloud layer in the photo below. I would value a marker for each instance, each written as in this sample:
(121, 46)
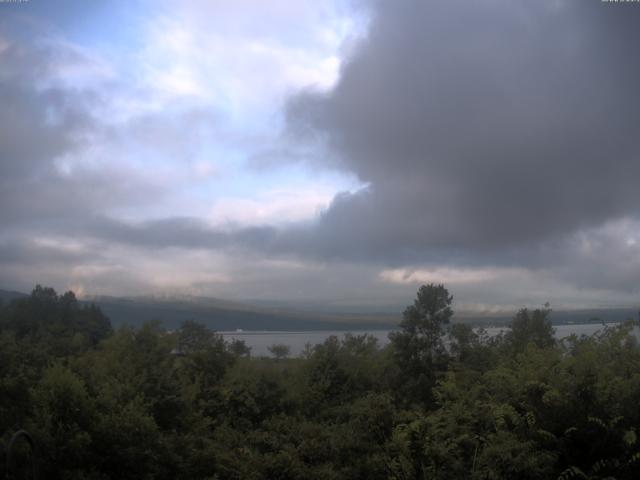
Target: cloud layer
(494, 143)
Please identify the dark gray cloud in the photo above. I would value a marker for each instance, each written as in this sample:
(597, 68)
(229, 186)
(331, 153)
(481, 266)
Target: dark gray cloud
(482, 126)
(607, 258)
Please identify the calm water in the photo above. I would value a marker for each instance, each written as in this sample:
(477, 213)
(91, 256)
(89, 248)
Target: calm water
(260, 341)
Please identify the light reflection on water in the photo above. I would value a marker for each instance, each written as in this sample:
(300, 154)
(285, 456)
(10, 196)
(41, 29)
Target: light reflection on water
(260, 341)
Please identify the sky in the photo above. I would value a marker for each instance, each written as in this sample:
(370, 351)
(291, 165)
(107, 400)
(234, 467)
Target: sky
(341, 152)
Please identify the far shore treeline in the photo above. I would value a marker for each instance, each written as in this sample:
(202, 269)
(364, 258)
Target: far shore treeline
(440, 401)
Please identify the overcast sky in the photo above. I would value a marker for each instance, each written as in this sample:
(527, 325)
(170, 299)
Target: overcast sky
(340, 151)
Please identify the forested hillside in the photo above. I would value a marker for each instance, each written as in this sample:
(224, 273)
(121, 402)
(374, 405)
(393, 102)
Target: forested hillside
(440, 402)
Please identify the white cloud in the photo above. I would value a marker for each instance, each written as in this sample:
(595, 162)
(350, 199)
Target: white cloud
(272, 207)
(245, 56)
(448, 276)
(61, 244)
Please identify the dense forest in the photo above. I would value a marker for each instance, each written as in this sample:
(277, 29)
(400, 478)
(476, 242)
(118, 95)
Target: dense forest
(441, 401)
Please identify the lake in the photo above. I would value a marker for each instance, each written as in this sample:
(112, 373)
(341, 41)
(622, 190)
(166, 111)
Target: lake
(259, 341)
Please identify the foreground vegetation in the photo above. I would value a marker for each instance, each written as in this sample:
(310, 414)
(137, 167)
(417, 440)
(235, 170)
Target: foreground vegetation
(440, 402)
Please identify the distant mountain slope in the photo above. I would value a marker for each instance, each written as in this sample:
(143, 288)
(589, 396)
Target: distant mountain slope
(223, 315)
(7, 295)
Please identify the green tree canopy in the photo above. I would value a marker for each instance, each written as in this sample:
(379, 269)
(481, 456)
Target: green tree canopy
(531, 327)
(279, 350)
(418, 347)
